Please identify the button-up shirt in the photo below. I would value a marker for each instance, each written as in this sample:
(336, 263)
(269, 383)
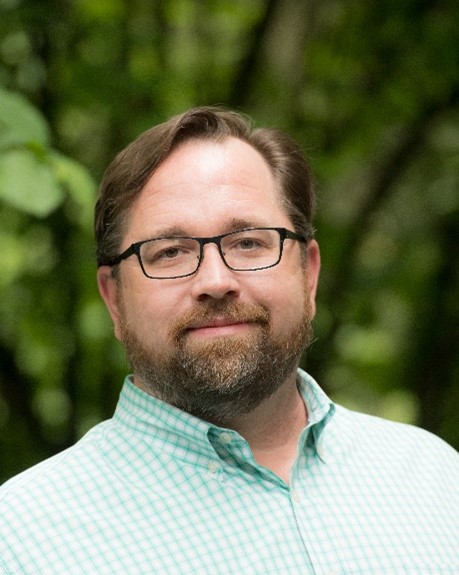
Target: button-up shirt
(157, 490)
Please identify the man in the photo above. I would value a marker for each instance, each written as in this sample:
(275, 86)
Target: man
(222, 457)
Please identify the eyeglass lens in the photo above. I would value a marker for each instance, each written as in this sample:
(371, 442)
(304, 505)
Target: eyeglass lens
(244, 250)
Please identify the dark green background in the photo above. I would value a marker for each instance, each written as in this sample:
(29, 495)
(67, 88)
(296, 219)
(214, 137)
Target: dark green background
(370, 90)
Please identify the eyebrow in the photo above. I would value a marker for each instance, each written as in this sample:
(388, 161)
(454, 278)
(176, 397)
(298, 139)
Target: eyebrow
(232, 225)
(239, 224)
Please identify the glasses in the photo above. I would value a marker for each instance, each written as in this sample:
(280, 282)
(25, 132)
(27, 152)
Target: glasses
(174, 257)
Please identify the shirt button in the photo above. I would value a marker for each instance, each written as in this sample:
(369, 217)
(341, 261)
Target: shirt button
(321, 454)
(213, 467)
(296, 496)
(225, 437)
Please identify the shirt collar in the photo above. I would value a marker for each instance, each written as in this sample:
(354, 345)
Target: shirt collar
(157, 421)
(320, 410)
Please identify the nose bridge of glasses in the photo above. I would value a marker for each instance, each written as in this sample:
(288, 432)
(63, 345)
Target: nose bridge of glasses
(218, 246)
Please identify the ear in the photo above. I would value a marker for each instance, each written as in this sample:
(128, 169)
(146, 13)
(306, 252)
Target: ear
(108, 290)
(312, 271)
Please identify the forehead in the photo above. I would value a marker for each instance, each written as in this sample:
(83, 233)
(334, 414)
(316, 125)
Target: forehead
(208, 185)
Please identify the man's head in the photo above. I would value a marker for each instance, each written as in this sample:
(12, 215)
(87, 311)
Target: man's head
(219, 338)
(132, 168)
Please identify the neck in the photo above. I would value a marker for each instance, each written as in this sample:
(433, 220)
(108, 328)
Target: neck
(273, 428)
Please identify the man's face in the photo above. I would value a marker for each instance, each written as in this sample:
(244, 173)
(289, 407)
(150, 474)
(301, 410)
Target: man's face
(218, 342)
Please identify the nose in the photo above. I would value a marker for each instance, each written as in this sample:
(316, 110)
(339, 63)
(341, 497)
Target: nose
(213, 278)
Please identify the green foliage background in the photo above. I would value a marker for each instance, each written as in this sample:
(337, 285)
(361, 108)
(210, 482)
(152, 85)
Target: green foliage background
(371, 91)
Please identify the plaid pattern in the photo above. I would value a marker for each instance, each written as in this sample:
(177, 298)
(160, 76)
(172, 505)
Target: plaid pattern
(156, 490)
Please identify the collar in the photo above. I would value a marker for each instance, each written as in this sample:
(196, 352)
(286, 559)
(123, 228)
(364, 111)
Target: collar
(182, 434)
(320, 410)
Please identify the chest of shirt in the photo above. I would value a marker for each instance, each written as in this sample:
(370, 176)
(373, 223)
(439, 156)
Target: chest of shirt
(222, 519)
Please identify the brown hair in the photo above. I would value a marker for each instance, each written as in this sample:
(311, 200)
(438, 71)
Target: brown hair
(132, 168)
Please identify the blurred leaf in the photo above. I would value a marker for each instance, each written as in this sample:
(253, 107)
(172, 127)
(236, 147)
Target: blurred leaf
(80, 185)
(366, 346)
(28, 184)
(11, 258)
(20, 122)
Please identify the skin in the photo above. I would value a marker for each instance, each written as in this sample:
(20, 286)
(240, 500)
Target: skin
(203, 189)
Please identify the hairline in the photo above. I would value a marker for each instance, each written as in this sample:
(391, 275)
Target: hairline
(217, 139)
(281, 154)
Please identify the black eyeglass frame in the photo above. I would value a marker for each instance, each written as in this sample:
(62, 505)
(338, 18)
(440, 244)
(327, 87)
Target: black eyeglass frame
(134, 248)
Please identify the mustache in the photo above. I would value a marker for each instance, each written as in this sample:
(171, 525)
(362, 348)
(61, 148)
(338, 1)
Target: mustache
(229, 311)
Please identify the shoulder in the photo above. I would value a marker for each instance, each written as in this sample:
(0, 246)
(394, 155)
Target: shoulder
(52, 476)
(44, 504)
(36, 501)
(379, 426)
(375, 438)
(356, 432)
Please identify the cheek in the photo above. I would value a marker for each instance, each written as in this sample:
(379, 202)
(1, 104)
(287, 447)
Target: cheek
(287, 305)
(152, 313)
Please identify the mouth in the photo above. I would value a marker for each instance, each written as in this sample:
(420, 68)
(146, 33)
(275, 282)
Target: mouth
(218, 327)
(208, 322)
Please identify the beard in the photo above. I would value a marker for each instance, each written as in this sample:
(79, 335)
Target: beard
(222, 377)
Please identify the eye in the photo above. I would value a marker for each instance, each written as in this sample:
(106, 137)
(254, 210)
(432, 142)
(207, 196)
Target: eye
(167, 251)
(247, 244)
(249, 241)
(168, 254)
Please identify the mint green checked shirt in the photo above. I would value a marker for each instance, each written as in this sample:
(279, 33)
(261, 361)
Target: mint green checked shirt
(156, 490)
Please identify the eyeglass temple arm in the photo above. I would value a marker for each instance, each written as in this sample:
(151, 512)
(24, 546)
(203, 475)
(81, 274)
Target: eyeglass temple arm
(132, 249)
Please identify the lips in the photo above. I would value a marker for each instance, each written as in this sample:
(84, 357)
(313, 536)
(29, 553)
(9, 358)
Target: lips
(214, 318)
(218, 328)
(215, 323)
